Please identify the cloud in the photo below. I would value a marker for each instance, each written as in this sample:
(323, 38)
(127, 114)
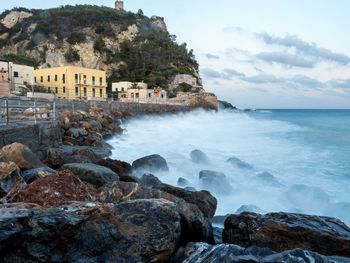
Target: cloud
(340, 83)
(286, 59)
(306, 82)
(304, 48)
(225, 74)
(211, 56)
(262, 79)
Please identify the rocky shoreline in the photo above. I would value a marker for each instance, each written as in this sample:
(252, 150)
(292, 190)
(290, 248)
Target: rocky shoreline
(77, 205)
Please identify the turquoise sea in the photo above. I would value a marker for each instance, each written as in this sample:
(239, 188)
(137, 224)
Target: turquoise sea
(307, 153)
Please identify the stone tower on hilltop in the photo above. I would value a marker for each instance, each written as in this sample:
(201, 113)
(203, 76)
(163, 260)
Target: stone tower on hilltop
(119, 5)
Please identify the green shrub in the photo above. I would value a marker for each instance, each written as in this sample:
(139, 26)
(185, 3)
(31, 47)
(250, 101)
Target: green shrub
(72, 55)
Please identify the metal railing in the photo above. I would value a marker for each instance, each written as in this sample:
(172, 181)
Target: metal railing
(15, 110)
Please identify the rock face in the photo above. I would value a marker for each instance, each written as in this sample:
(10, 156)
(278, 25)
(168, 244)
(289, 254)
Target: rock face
(123, 169)
(11, 19)
(20, 155)
(215, 181)
(92, 173)
(133, 231)
(284, 231)
(152, 163)
(204, 253)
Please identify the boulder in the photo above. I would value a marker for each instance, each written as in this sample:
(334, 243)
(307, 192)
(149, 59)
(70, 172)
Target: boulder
(133, 231)
(119, 167)
(34, 174)
(95, 125)
(202, 199)
(20, 155)
(268, 179)
(92, 173)
(73, 132)
(182, 182)
(151, 163)
(204, 253)
(9, 177)
(197, 156)
(238, 163)
(194, 225)
(53, 190)
(215, 181)
(250, 208)
(78, 159)
(285, 231)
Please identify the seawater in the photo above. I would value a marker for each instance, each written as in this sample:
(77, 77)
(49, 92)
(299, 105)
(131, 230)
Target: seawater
(307, 151)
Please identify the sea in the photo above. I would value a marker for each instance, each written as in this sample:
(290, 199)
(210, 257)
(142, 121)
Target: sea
(305, 154)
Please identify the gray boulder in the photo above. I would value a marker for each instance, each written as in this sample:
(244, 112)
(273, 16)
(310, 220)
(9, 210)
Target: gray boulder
(215, 181)
(197, 156)
(182, 182)
(92, 173)
(238, 163)
(268, 179)
(34, 174)
(133, 231)
(152, 163)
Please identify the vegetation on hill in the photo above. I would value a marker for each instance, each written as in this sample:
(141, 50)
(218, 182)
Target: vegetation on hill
(151, 55)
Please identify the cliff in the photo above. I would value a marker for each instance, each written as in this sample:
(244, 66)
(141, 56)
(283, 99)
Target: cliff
(128, 46)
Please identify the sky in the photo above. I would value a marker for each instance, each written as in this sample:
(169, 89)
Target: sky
(254, 53)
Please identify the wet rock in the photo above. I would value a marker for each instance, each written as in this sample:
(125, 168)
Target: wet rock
(34, 174)
(204, 253)
(215, 181)
(73, 132)
(194, 225)
(182, 182)
(95, 125)
(20, 155)
(250, 208)
(268, 179)
(191, 189)
(53, 190)
(284, 231)
(151, 163)
(236, 162)
(197, 156)
(9, 177)
(151, 181)
(133, 231)
(92, 173)
(119, 167)
(217, 231)
(78, 159)
(202, 199)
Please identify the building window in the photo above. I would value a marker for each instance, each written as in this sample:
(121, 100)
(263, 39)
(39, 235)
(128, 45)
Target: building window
(48, 78)
(84, 79)
(56, 77)
(101, 93)
(149, 95)
(64, 78)
(56, 90)
(132, 94)
(100, 81)
(41, 79)
(76, 91)
(84, 91)
(93, 81)
(93, 92)
(49, 90)
(162, 96)
(137, 95)
(34, 79)
(122, 89)
(76, 78)
(15, 74)
(64, 89)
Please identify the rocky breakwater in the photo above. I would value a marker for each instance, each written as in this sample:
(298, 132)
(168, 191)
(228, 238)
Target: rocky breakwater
(89, 213)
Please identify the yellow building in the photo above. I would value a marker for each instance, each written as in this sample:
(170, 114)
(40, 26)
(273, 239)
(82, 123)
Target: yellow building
(70, 82)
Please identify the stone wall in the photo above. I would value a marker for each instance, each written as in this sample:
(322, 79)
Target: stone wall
(38, 137)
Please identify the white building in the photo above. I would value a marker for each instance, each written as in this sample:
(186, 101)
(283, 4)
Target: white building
(123, 86)
(20, 77)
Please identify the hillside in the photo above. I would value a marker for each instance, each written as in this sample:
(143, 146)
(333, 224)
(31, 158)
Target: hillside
(128, 46)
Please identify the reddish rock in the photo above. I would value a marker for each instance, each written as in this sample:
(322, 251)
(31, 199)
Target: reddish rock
(285, 231)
